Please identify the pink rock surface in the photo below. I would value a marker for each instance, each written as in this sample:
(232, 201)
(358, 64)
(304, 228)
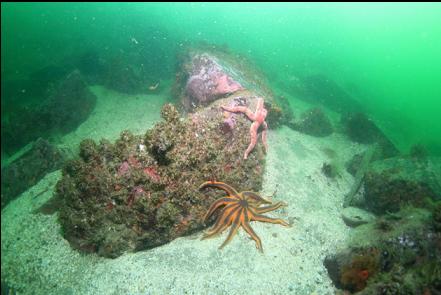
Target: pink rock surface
(123, 168)
(208, 80)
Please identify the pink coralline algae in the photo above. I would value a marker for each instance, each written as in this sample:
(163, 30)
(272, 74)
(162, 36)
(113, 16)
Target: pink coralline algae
(123, 168)
(208, 80)
(152, 173)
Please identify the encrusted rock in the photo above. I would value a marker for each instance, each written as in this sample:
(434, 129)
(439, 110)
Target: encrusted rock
(352, 268)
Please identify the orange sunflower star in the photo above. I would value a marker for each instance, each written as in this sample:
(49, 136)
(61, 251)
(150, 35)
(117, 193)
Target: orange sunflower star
(239, 209)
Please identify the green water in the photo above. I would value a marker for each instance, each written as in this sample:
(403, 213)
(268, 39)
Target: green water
(385, 55)
(391, 52)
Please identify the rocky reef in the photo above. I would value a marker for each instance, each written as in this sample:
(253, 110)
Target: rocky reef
(281, 112)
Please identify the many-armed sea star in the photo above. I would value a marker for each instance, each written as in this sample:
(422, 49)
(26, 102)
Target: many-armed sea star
(239, 209)
(258, 118)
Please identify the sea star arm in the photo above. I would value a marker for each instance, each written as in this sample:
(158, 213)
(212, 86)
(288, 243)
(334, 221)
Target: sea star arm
(223, 221)
(264, 133)
(270, 208)
(215, 205)
(233, 231)
(211, 234)
(262, 218)
(246, 226)
(220, 230)
(255, 197)
(220, 185)
(240, 109)
(253, 138)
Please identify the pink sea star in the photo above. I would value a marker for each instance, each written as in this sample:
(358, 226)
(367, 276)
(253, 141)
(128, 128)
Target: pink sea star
(258, 118)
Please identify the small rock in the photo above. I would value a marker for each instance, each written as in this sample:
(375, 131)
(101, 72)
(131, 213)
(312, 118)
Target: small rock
(354, 217)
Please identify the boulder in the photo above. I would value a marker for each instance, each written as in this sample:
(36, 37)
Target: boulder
(69, 104)
(122, 76)
(209, 73)
(399, 181)
(28, 169)
(208, 80)
(281, 113)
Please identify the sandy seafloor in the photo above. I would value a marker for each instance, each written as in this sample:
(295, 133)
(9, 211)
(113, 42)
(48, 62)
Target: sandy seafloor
(36, 259)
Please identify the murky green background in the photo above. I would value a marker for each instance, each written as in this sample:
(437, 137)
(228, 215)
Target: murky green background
(387, 56)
